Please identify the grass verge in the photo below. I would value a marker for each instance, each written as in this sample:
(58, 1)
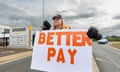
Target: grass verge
(116, 44)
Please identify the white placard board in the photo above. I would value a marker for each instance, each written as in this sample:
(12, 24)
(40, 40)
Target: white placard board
(62, 51)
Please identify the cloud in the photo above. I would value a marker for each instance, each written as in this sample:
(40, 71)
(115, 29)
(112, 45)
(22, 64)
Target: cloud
(114, 30)
(88, 15)
(12, 17)
(116, 17)
(35, 7)
(77, 13)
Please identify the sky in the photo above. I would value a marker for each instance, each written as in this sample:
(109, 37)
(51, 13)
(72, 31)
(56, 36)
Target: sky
(76, 13)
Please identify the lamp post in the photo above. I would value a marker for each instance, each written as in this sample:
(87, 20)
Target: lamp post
(43, 10)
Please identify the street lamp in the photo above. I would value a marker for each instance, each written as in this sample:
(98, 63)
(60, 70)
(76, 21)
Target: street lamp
(43, 10)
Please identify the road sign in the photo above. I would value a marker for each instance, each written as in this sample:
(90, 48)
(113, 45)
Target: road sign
(62, 51)
(19, 37)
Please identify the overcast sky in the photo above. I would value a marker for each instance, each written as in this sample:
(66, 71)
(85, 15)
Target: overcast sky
(77, 13)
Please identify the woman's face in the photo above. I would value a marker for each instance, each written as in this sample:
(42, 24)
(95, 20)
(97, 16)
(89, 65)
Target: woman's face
(57, 22)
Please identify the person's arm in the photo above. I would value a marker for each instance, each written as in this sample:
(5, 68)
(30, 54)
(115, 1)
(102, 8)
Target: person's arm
(46, 25)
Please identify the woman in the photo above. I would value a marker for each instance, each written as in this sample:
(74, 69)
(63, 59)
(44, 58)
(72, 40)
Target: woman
(58, 23)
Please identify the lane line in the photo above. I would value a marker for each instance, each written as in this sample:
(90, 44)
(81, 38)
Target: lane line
(99, 59)
(116, 64)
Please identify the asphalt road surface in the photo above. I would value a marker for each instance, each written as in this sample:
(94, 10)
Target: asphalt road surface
(107, 57)
(22, 65)
(10, 51)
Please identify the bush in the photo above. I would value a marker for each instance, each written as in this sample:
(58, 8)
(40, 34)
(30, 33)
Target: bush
(114, 38)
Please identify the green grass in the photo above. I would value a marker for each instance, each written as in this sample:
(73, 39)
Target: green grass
(117, 45)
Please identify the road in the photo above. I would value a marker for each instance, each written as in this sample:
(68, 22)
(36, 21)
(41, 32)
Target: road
(22, 65)
(107, 57)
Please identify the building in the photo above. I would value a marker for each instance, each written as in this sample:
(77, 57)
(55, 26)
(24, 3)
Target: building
(16, 37)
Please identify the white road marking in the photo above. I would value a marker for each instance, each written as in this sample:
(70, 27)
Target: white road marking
(114, 50)
(116, 64)
(99, 59)
(4, 52)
